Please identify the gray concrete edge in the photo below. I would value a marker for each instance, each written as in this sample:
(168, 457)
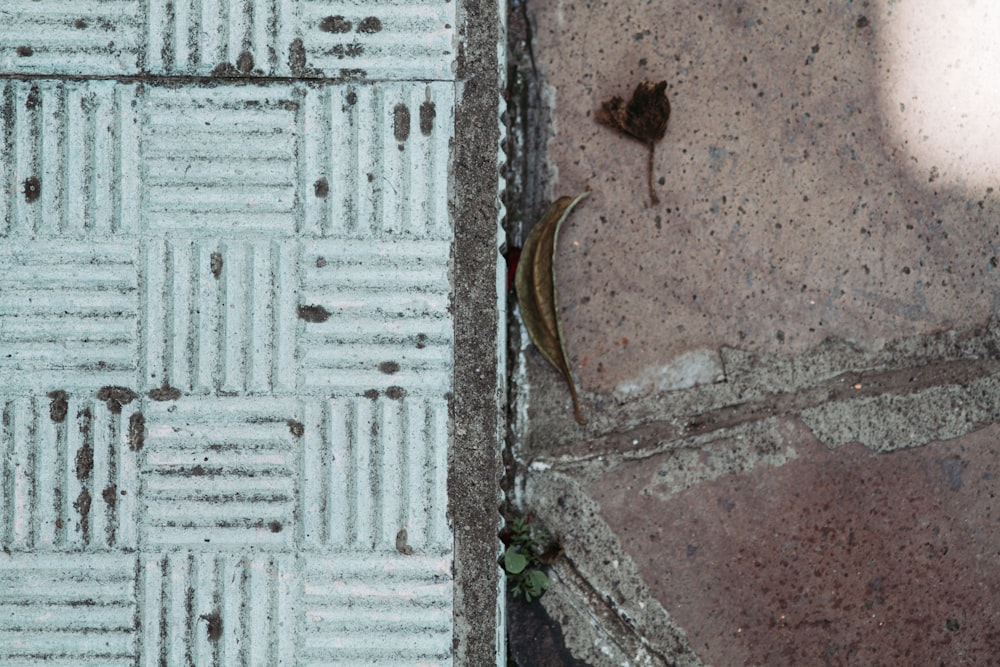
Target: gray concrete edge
(477, 406)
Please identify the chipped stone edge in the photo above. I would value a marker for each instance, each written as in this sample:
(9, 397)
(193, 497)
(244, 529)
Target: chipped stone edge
(890, 422)
(606, 611)
(750, 377)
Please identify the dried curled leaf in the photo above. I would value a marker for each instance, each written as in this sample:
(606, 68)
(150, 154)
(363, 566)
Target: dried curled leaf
(535, 282)
(643, 117)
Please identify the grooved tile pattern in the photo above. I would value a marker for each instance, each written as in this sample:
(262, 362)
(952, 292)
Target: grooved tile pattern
(225, 339)
(70, 476)
(221, 472)
(217, 608)
(375, 473)
(71, 158)
(388, 327)
(220, 315)
(230, 38)
(218, 159)
(68, 311)
(412, 618)
(67, 610)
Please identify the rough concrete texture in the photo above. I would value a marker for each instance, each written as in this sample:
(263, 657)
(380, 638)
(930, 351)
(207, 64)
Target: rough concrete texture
(791, 364)
(477, 410)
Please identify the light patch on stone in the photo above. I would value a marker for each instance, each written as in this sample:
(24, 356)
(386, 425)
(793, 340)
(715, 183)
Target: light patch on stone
(687, 370)
(942, 89)
(549, 102)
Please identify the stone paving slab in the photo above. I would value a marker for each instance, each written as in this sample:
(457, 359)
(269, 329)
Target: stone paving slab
(830, 557)
(790, 365)
(795, 207)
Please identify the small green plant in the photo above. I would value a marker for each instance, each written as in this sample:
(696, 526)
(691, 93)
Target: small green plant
(526, 546)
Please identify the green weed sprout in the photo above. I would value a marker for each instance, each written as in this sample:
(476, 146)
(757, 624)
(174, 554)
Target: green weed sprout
(521, 559)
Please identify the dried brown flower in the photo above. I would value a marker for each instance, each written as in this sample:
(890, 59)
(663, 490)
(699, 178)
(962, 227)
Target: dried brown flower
(643, 117)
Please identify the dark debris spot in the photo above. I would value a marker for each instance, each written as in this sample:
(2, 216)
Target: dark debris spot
(245, 62)
(313, 313)
(370, 25)
(335, 24)
(213, 622)
(421, 341)
(110, 495)
(34, 99)
(862, 22)
(136, 431)
(371, 394)
(427, 114)
(165, 393)
(116, 397)
(80, 24)
(346, 50)
(25, 51)
(275, 526)
(215, 264)
(297, 57)
(401, 122)
(296, 428)
(82, 505)
(402, 543)
(321, 188)
(352, 98)
(84, 462)
(58, 407)
(32, 189)
(395, 393)
(388, 367)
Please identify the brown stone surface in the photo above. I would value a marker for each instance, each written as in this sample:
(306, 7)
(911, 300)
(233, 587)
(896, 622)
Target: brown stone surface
(840, 557)
(795, 203)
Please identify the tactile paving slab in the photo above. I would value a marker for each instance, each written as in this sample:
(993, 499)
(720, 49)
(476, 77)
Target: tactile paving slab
(226, 341)
(400, 39)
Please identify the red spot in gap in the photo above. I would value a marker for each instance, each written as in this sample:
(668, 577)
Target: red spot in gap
(513, 255)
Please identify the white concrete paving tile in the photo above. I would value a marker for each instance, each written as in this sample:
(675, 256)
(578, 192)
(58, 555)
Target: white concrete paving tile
(67, 609)
(70, 475)
(230, 38)
(226, 332)
(405, 601)
(69, 310)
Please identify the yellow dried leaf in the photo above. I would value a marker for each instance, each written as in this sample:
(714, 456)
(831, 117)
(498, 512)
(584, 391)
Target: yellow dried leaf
(535, 282)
